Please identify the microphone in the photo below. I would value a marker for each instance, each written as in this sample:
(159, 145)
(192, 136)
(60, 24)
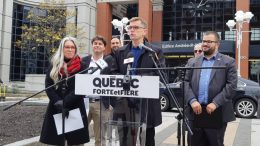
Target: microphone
(129, 60)
(127, 78)
(146, 48)
(101, 64)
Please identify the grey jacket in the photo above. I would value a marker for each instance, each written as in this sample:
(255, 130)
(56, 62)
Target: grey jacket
(222, 85)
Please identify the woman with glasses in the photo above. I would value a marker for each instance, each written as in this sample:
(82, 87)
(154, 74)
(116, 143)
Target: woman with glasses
(64, 63)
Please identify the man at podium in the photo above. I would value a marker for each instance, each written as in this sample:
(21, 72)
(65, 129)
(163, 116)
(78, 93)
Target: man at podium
(137, 30)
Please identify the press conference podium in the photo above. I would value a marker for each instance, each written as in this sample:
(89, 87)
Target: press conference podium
(125, 125)
(123, 112)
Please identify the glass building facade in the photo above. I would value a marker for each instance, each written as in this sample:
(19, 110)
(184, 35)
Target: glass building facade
(254, 60)
(30, 60)
(21, 63)
(31, 57)
(188, 19)
(182, 20)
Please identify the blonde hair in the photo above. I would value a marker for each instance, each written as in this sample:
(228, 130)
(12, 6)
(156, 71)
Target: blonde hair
(57, 59)
(198, 46)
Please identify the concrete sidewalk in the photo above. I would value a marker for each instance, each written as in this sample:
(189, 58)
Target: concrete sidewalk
(242, 132)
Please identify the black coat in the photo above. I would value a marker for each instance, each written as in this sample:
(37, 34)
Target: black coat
(154, 116)
(71, 101)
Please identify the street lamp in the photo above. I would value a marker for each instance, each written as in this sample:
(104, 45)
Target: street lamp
(120, 25)
(240, 18)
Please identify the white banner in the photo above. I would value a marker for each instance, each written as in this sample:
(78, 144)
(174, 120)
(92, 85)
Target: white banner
(112, 85)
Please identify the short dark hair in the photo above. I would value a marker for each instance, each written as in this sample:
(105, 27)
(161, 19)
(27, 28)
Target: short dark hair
(213, 33)
(99, 38)
(116, 37)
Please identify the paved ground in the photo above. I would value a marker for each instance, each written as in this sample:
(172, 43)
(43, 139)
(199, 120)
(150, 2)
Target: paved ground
(242, 132)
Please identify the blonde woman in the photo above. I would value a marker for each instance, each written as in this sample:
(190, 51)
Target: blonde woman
(64, 63)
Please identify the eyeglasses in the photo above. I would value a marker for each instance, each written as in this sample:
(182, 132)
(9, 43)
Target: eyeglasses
(133, 27)
(208, 41)
(69, 47)
(197, 51)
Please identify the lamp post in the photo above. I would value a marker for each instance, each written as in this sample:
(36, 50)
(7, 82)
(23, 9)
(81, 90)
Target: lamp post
(120, 25)
(240, 18)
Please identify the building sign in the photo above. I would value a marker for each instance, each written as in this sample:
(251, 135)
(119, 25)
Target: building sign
(178, 45)
(187, 46)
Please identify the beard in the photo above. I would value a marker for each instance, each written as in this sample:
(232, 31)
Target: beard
(209, 51)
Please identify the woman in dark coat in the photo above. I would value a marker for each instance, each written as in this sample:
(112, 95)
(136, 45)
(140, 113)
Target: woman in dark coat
(64, 63)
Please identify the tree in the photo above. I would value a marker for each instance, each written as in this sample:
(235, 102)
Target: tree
(46, 25)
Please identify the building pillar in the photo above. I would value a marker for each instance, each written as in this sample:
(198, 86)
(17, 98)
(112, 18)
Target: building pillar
(86, 23)
(157, 20)
(104, 25)
(244, 5)
(145, 11)
(6, 14)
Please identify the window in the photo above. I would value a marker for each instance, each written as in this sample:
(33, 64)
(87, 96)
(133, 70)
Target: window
(25, 61)
(186, 21)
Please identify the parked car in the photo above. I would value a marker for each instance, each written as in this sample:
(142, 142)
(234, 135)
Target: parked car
(166, 101)
(245, 101)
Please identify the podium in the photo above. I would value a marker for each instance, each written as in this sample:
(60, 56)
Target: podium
(123, 112)
(125, 124)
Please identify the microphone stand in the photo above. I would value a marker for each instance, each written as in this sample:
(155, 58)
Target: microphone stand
(59, 82)
(179, 117)
(63, 90)
(172, 95)
(183, 73)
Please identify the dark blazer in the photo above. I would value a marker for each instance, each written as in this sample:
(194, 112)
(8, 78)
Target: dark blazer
(222, 85)
(154, 116)
(72, 101)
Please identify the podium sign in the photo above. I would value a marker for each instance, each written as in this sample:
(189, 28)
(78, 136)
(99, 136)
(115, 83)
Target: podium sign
(123, 110)
(112, 85)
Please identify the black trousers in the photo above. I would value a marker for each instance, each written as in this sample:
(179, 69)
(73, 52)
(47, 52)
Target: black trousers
(150, 134)
(207, 137)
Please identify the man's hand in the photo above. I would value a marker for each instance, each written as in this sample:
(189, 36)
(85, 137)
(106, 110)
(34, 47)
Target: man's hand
(196, 107)
(211, 108)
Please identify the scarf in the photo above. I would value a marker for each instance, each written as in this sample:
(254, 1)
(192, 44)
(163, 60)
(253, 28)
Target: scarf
(71, 67)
